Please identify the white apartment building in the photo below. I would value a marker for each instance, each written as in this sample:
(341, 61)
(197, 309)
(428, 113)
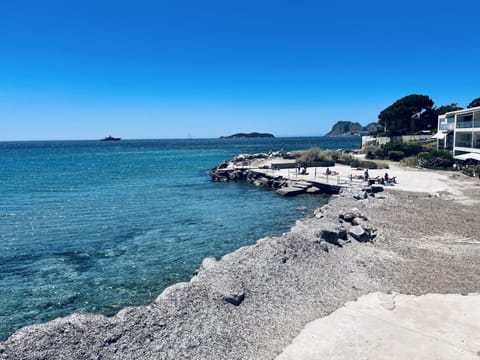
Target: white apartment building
(459, 131)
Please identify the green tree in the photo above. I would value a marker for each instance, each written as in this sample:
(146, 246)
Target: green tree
(474, 103)
(447, 108)
(408, 114)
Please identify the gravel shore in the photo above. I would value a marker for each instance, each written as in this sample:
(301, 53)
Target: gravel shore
(254, 301)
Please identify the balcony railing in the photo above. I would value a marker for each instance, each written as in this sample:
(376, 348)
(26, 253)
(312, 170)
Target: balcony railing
(446, 127)
(464, 124)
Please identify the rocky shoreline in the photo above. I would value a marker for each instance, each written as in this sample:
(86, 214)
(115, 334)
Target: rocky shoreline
(239, 170)
(251, 303)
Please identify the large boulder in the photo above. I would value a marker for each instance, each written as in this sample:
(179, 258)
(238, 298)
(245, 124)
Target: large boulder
(290, 191)
(235, 298)
(377, 188)
(361, 195)
(330, 236)
(359, 233)
(313, 190)
(261, 182)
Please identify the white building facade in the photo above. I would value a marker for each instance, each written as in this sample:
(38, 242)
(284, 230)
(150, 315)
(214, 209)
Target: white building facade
(459, 131)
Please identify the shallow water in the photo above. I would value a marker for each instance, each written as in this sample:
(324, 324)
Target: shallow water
(97, 226)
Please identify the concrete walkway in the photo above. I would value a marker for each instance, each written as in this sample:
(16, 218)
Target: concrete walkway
(394, 327)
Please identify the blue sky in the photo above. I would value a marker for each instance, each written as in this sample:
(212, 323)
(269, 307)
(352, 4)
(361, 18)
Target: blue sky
(176, 69)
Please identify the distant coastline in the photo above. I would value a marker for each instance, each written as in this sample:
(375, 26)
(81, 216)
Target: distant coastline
(248, 135)
(349, 128)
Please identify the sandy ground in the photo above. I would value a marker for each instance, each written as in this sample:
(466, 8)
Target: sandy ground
(446, 184)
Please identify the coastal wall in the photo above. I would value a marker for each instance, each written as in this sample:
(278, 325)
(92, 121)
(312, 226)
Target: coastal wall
(382, 140)
(251, 303)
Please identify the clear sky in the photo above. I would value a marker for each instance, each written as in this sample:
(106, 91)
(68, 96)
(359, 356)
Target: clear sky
(204, 68)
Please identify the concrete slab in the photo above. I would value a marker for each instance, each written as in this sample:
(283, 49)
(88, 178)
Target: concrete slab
(381, 326)
(290, 191)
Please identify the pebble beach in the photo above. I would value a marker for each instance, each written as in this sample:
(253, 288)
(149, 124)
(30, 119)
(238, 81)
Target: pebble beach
(252, 303)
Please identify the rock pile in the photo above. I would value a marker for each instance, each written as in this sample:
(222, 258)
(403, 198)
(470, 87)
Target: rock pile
(371, 190)
(352, 225)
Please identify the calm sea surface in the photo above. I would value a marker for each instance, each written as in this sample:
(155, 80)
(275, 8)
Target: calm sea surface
(98, 226)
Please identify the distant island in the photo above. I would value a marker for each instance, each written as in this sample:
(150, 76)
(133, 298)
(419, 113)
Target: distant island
(111, 138)
(349, 128)
(248, 135)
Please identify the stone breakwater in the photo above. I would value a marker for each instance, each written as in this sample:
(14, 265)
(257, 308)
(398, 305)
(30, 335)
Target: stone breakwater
(251, 168)
(259, 170)
(251, 303)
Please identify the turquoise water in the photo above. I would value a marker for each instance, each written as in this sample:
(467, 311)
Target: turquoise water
(98, 226)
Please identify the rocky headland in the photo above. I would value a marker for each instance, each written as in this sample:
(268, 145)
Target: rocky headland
(349, 128)
(251, 303)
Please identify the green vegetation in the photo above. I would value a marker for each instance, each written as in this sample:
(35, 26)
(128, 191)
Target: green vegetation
(474, 103)
(315, 157)
(318, 157)
(366, 164)
(472, 171)
(447, 108)
(392, 150)
(412, 154)
(314, 154)
(396, 155)
(437, 159)
(409, 114)
(413, 113)
(410, 161)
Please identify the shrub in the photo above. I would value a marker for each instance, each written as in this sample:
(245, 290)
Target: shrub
(439, 162)
(382, 152)
(477, 171)
(382, 165)
(425, 155)
(370, 152)
(340, 157)
(442, 153)
(368, 164)
(409, 161)
(396, 155)
(363, 164)
(355, 163)
(314, 154)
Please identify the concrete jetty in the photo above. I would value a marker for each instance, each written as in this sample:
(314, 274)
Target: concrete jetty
(282, 175)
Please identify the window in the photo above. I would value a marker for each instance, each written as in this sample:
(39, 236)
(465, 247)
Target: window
(465, 121)
(476, 119)
(463, 139)
(476, 139)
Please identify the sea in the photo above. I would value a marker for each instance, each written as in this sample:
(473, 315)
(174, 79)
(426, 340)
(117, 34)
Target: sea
(96, 226)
